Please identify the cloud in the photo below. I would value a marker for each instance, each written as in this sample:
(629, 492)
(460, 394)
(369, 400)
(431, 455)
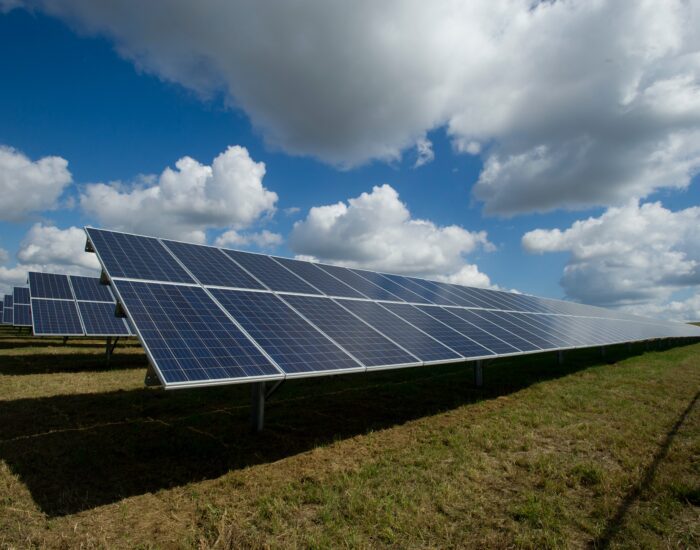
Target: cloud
(424, 152)
(49, 249)
(571, 104)
(261, 239)
(183, 202)
(633, 255)
(28, 186)
(376, 231)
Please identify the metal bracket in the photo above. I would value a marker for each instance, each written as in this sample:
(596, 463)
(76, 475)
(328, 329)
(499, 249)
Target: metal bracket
(88, 246)
(104, 278)
(119, 311)
(151, 380)
(274, 388)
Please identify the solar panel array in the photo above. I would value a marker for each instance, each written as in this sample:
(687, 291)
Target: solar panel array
(63, 305)
(208, 315)
(8, 313)
(22, 310)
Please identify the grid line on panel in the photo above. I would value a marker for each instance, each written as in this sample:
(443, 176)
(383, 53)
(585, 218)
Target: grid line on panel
(391, 286)
(135, 257)
(270, 273)
(8, 310)
(321, 280)
(22, 315)
(424, 289)
(356, 337)
(20, 295)
(360, 284)
(211, 266)
(511, 324)
(55, 318)
(420, 344)
(90, 289)
(294, 344)
(189, 337)
(470, 330)
(440, 331)
(494, 329)
(49, 285)
(100, 320)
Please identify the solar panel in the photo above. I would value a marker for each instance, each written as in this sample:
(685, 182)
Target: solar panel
(495, 330)
(432, 294)
(49, 285)
(22, 315)
(135, 257)
(420, 344)
(8, 310)
(441, 332)
(99, 319)
(359, 339)
(90, 289)
(20, 295)
(188, 338)
(270, 273)
(55, 318)
(211, 267)
(391, 286)
(507, 321)
(321, 280)
(360, 284)
(294, 344)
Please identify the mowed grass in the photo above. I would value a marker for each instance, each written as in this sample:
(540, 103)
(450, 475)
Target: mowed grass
(588, 454)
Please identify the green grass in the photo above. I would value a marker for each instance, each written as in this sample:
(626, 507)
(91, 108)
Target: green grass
(584, 454)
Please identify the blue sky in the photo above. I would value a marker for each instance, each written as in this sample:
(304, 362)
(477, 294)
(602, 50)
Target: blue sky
(116, 105)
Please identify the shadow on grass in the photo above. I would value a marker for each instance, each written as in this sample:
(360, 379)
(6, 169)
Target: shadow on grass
(41, 342)
(53, 363)
(76, 452)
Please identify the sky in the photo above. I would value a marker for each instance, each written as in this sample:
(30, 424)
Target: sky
(550, 148)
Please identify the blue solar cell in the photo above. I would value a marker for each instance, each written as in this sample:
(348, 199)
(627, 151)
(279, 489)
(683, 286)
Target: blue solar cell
(391, 286)
(360, 284)
(315, 276)
(536, 336)
(90, 289)
(99, 319)
(427, 289)
(292, 342)
(49, 285)
(8, 310)
(441, 332)
(551, 326)
(55, 318)
(22, 315)
(134, 257)
(21, 295)
(9, 301)
(211, 266)
(469, 298)
(189, 338)
(272, 274)
(495, 329)
(470, 330)
(417, 342)
(360, 340)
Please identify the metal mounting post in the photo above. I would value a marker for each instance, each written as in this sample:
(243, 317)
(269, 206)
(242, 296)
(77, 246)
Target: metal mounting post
(478, 373)
(560, 357)
(110, 347)
(602, 352)
(257, 406)
(65, 340)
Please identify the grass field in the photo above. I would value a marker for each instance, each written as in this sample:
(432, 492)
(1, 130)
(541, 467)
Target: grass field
(588, 454)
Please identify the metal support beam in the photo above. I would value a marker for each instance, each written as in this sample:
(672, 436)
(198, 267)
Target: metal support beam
(478, 373)
(108, 349)
(560, 357)
(257, 406)
(602, 352)
(65, 340)
(629, 347)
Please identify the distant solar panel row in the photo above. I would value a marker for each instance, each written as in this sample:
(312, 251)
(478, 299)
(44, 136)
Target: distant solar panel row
(63, 305)
(8, 310)
(22, 310)
(207, 315)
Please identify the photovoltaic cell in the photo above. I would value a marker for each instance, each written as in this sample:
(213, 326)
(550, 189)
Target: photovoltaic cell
(495, 329)
(314, 275)
(294, 344)
(55, 317)
(8, 310)
(391, 286)
(471, 331)
(441, 332)
(134, 257)
(21, 295)
(99, 319)
(211, 266)
(430, 293)
(272, 274)
(418, 343)
(506, 321)
(49, 285)
(22, 315)
(360, 340)
(189, 338)
(360, 284)
(90, 289)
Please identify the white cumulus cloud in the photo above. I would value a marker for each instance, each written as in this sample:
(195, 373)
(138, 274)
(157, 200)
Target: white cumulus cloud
(183, 202)
(49, 249)
(636, 255)
(261, 239)
(570, 103)
(28, 186)
(424, 152)
(376, 231)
